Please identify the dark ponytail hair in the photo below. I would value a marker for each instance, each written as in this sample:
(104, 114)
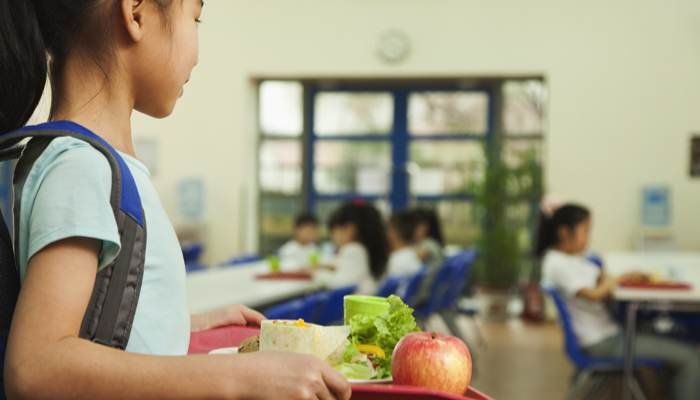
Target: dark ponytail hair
(22, 63)
(569, 215)
(29, 29)
(430, 217)
(370, 232)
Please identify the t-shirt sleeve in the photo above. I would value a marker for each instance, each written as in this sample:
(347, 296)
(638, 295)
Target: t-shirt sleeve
(67, 194)
(570, 280)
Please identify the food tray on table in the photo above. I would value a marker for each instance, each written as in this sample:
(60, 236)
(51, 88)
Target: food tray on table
(284, 275)
(230, 336)
(662, 285)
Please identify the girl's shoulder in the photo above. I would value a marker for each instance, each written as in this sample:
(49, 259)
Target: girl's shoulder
(69, 152)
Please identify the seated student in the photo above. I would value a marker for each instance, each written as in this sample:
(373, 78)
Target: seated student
(403, 259)
(563, 236)
(298, 252)
(358, 232)
(428, 246)
(428, 238)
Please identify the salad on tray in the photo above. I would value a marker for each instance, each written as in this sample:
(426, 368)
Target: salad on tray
(372, 341)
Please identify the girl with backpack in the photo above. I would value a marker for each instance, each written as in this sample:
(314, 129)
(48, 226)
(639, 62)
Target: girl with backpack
(107, 58)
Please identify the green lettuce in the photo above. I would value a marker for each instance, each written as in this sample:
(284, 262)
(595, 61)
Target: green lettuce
(383, 330)
(358, 371)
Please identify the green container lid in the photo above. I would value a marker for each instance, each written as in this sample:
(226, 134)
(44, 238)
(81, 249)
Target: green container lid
(365, 305)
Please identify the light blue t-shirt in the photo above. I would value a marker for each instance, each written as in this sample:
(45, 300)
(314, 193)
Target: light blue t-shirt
(67, 194)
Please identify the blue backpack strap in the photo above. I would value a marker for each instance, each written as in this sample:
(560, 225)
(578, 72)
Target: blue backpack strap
(110, 313)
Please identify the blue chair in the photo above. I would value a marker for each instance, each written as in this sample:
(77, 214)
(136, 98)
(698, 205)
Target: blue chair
(390, 285)
(439, 288)
(306, 308)
(461, 265)
(598, 370)
(287, 310)
(191, 251)
(412, 285)
(332, 309)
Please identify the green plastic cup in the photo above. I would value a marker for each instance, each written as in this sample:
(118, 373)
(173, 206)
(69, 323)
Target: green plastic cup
(274, 262)
(365, 305)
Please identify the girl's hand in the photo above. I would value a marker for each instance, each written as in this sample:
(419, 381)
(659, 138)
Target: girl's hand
(632, 277)
(234, 314)
(277, 374)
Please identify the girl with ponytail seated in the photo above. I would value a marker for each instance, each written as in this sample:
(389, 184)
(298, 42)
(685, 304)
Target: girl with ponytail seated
(358, 232)
(563, 236)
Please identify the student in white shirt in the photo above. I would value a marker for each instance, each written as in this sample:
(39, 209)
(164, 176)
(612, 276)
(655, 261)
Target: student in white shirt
(403, 259)
(563, 236)
(299, 251)
(358, 232)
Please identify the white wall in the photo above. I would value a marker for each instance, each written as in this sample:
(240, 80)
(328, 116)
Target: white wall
(623, 75)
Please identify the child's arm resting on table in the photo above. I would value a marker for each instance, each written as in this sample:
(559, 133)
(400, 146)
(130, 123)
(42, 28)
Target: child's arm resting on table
(47, 360)
(606, 285)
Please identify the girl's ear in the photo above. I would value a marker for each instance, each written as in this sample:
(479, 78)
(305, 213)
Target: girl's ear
(563, 233)
(132, 11)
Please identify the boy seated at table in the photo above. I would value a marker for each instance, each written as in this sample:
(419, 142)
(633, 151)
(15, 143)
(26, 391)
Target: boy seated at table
(403, 259)
(301, 250)
(563, 236)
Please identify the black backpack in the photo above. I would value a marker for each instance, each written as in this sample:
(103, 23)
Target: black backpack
(110, 313)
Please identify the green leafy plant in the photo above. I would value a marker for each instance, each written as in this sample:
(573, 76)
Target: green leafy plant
(505, 203)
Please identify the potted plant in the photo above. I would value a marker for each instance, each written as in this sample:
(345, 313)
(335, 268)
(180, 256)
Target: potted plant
(506, 204)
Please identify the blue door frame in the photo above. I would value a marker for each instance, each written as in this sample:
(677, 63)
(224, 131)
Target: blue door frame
(400, 140)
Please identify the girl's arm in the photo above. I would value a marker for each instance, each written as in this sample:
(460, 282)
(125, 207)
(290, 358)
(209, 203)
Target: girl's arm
(606, 285)
(46, 359)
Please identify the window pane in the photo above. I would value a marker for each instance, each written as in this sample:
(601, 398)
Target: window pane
(343, 113)
(277, 215)
(444, 113)
(459, 226)
(445, 166)
(519, 152)
(280, 166)
(523, 107)
(352, 167)
(281, 108)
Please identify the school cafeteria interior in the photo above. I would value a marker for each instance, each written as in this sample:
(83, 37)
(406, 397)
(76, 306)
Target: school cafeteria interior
(544, 150)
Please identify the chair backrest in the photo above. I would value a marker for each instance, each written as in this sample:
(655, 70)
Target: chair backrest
(390, 285)
(571, 345)
(411, 287)
(460, 267)
(439, 288)
(288, 310)
(332, 310)
(311, 309)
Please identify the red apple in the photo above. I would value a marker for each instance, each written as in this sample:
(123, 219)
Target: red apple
(432, 360)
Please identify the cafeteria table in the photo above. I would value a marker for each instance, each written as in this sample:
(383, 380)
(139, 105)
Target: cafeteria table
(222, 286)
(231, 336)
(681, 266)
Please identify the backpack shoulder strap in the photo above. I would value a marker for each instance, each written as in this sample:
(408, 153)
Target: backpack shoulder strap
(110, 312)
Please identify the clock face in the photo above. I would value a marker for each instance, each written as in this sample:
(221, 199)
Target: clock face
(393, 46)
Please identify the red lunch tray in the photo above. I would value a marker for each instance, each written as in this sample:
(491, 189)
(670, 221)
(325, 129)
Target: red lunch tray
(230, 336)
(284, 275)
(674, 286)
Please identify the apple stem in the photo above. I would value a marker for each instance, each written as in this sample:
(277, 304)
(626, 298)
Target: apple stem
(433, 335)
